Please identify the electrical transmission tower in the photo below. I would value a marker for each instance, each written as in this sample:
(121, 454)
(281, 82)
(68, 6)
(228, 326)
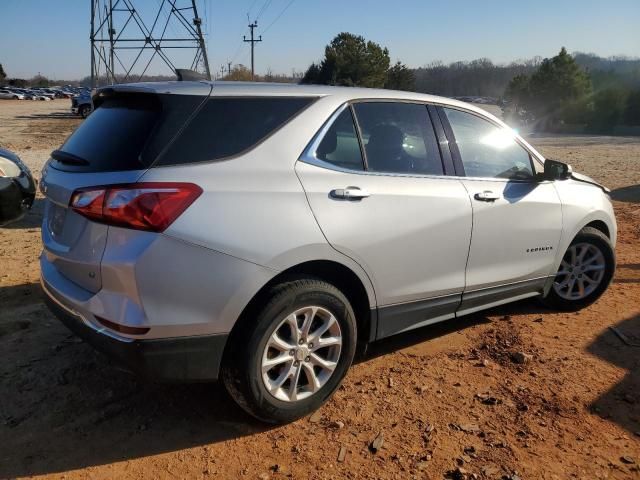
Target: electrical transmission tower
(124, 45)
(253, 41)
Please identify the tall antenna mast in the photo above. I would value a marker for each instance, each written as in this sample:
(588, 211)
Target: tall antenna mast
(124, 45)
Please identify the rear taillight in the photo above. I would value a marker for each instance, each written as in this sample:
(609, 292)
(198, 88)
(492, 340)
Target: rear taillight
(149, 206)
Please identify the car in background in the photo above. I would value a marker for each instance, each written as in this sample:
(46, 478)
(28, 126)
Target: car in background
(28, 94)
(55, 92)
(81, 105)
(10, 95)
(17, 187)
(43, 93)
(35, 95)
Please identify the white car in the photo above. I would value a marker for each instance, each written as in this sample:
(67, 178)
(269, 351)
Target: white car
(260, 233)
(11, 95)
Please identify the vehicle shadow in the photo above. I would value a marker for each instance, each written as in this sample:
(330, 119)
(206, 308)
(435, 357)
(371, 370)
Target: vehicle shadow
(31, 219)
(420, 335)
(630, 194)
(49, 116)
(621, 403)
(625, 273)
(67, 407)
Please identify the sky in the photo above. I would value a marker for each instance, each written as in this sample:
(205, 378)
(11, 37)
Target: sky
(52, 36)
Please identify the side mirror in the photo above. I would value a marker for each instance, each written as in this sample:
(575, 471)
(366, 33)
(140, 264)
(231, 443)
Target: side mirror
(555, 170)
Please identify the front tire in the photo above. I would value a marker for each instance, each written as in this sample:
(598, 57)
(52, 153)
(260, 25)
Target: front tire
(287, 360)
(585, 272)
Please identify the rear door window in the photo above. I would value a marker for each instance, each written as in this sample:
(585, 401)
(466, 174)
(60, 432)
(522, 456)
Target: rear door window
(340, 145)
(398, 138)
(226, 127)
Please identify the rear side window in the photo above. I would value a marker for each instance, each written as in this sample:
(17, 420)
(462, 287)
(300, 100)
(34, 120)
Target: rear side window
(226, 127)
(398, 138)
(340, 146)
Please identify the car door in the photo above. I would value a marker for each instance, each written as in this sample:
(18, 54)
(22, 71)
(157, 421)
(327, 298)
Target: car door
(517, 218)
(374, 180)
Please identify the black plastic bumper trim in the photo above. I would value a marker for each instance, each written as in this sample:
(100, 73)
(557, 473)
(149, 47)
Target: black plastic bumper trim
(184, 359)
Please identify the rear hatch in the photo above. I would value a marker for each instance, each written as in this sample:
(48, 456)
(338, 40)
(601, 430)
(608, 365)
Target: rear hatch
(116, 144)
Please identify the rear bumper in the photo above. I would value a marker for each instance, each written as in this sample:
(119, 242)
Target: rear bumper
(168, 359)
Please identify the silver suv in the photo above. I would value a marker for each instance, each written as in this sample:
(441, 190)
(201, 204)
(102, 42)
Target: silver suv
(263, 233)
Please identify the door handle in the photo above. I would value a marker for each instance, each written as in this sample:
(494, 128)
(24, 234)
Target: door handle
(486, 196)
(349, 193)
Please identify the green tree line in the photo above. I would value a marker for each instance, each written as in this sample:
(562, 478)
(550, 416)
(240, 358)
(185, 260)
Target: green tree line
(561, 93)
(581, 90)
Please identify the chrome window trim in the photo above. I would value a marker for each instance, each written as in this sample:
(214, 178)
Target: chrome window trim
(309, 154)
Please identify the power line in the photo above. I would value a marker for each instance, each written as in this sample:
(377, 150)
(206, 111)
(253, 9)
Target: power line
(278, 17)
(265, 5)
(251, 7)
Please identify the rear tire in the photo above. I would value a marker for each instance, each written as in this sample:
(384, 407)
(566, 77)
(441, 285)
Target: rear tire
(585, 272)
(84, 111)
(266, 355)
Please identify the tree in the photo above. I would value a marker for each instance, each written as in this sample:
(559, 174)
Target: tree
(517, 97)
(400, 77)
(352, 61)
(557, 92)
(558, 84)
(239, 73)
(608, 109)
(3, 75)
(39, 81)
(518, 90)
(312, 75)
(632, 109)
(18, 82)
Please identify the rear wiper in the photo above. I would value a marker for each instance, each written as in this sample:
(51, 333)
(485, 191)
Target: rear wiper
(68, 158)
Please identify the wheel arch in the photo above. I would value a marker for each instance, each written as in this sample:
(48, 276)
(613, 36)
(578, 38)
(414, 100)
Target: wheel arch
(331, 271)
(601, 226)
(598, 220)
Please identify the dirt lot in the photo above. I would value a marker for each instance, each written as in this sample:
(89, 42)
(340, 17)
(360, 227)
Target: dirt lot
(443, 397)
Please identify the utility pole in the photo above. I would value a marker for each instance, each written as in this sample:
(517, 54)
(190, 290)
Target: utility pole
(253, 41)
(229, 67)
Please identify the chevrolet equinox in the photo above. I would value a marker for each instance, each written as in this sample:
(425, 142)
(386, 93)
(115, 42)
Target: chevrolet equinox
(264, 233)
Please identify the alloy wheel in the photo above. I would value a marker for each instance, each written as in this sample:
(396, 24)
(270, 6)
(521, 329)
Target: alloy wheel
(301, 354)
(581, 271)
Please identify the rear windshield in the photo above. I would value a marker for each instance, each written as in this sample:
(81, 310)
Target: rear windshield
(226, 127)
(128, 131)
